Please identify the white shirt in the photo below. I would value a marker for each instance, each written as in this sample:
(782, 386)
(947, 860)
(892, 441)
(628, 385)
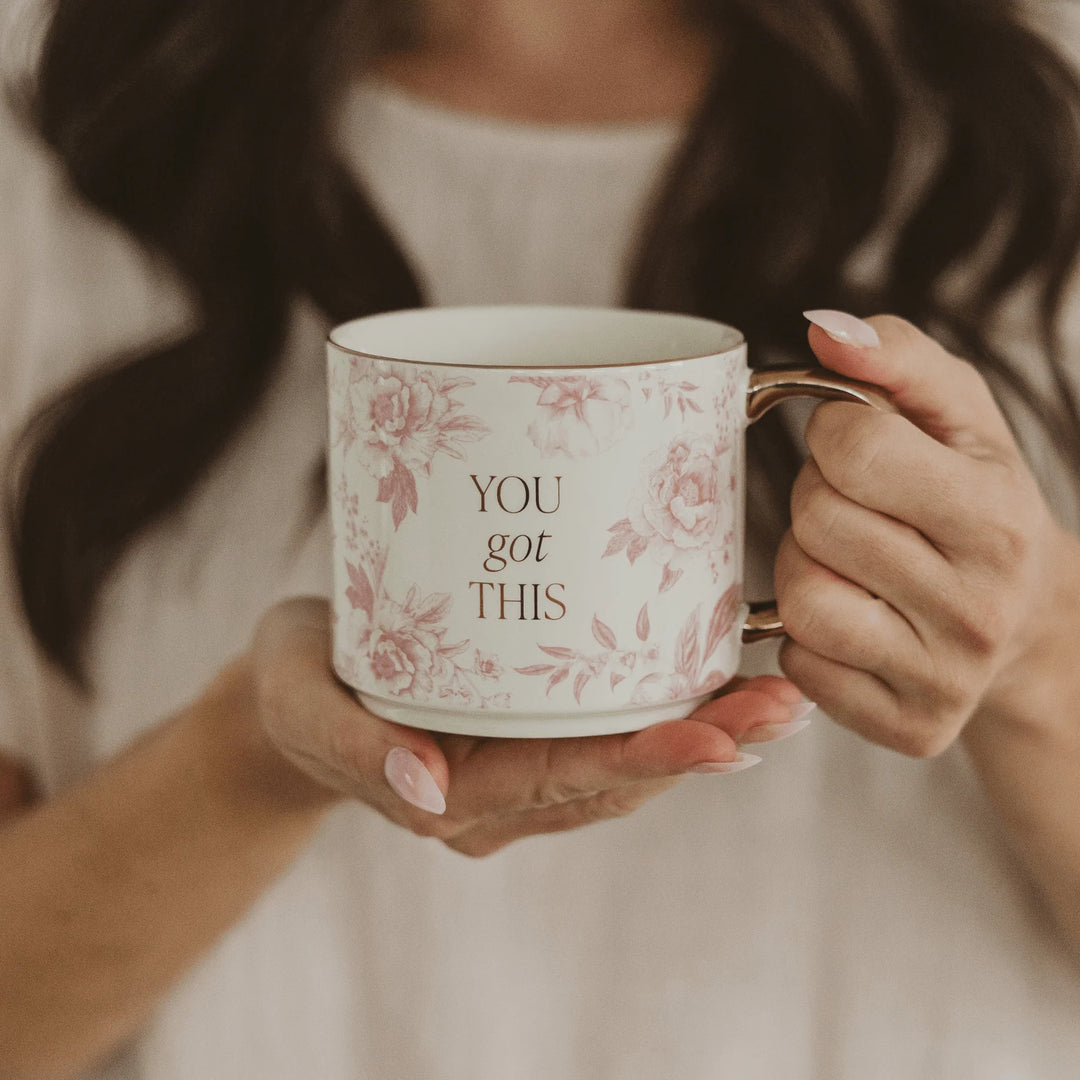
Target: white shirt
(837, 913)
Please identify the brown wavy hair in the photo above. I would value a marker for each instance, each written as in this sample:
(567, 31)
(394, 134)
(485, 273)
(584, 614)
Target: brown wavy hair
(205, 129)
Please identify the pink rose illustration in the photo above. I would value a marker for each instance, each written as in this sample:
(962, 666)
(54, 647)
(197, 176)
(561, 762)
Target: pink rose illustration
(401, 417)
(400, 645)
(405, 643)
(580, 415)
(681, 510)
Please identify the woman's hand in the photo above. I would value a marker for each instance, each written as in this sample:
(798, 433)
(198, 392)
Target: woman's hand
(477, 795)
(918, 579)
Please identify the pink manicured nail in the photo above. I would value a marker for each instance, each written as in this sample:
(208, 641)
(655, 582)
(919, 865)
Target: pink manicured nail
(742, 761)
(845, 328)
(406, 774)
(763, 733)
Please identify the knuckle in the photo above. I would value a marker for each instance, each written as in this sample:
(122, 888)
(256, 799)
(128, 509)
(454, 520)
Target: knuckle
(622, 801)
(979, 622)
(474, 846)
(429, 826)
(800, 608)
(853, 451)
(1007, 535)
(922, 738)
(814, 519)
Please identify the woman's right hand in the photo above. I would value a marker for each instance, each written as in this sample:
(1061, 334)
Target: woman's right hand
(479, 794)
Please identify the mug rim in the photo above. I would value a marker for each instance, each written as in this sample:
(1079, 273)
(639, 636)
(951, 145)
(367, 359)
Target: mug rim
(738, 342)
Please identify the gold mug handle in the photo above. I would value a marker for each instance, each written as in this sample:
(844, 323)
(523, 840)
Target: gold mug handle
(769, 388)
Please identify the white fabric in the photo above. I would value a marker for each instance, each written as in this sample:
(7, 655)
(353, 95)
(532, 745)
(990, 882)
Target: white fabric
(837, 913)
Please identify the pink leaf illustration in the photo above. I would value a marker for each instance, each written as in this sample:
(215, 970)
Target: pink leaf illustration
(580, 683)
(687, 387)
(686, 647)
(448, 386)
(466, 428)
(713, 681)
(723, 618)
(558, 652)
(694, 406)
(615, 545)
(638, 546)
(435, 608)
(643, 623)
(398, 489)
(669, 578)
(454, 650)
(623, 533)
(616, 678)
(557, 678)
(536, 669)
(603, 634)
(360, 593)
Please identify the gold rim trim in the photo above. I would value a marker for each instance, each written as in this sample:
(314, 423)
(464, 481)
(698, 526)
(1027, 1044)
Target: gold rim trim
(736, 345)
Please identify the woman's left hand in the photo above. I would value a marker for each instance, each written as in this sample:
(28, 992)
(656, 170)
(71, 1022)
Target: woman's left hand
(919, 572)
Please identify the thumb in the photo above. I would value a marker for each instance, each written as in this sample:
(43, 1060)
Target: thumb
(938, 392)
(316, 722)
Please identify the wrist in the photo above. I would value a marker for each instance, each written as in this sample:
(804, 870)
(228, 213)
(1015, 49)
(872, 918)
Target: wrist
(253, 767)
(1038, 693)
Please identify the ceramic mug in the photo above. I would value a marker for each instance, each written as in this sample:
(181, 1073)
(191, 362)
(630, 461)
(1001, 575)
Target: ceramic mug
(538, 514)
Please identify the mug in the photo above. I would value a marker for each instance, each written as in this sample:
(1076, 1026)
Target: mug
(538, 512)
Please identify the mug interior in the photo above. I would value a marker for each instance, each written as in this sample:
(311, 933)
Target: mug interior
(533, 336)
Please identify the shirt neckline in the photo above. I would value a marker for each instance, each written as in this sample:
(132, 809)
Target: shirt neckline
(446, 122)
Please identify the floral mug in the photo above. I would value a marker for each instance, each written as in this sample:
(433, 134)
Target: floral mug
(538, 514)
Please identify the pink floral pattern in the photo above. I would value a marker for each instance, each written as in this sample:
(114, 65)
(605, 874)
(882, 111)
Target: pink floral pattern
(580, 415)
(398, 647)
(681, 512)
(672, 393)
(399, 418)
(685, 674)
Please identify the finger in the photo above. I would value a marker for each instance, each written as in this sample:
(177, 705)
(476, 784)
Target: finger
(885, 463)
(751, 706)
(862, 703)
(503, 776)
(884, 556)
(499, 776)
(492, 834)
(941, 394)
(774, 686)
(841, 621)
(320, 726)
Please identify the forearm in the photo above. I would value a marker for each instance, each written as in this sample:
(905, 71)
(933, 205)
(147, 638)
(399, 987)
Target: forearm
(1025, 743)
(111, 891)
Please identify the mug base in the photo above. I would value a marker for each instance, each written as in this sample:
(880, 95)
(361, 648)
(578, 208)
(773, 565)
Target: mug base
(514, 725)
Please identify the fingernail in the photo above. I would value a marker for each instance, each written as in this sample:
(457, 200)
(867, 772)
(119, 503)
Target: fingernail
(845, 328)
(763, 733)
(407, 775)
(742, 761)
